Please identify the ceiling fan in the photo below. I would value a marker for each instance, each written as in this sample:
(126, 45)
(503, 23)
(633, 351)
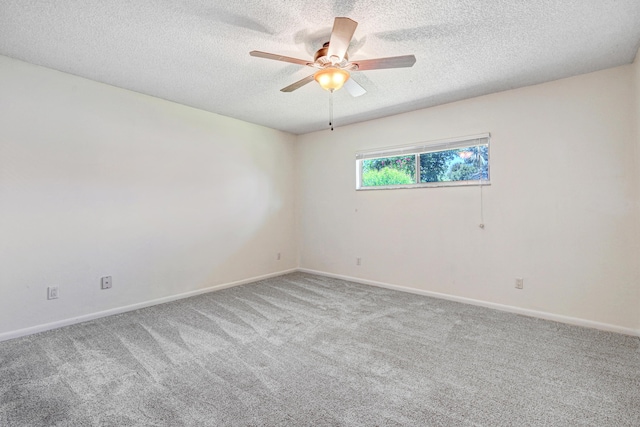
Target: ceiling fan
(333, 63)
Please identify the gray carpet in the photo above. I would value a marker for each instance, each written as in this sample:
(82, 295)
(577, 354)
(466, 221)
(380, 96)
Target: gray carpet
(303, 350)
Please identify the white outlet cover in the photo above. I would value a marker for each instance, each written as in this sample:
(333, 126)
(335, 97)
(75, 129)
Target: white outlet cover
(106, 282)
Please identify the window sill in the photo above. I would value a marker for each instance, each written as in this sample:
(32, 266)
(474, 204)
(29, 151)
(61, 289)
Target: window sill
(428, 185)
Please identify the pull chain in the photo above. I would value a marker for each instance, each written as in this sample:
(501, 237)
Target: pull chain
(479, 158)
(481, 207)
(331, 109)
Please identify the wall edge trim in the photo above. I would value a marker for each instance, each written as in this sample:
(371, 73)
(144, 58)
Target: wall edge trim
(502, 307)
(576, 321)
(123, 309)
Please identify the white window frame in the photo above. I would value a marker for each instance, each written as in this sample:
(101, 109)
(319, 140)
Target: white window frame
(420, 148)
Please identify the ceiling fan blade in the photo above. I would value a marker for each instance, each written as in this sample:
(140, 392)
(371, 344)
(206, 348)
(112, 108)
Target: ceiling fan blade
(390, 62)
(275, 57)
(298, 84)
(343, 29)
(354, 88)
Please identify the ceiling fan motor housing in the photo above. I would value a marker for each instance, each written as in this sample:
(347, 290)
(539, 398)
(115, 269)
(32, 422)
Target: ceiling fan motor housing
(322, 59)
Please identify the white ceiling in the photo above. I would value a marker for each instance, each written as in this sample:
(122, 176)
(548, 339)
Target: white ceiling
(196, 52)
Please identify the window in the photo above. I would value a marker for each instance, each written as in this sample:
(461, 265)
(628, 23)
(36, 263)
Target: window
(459, 161)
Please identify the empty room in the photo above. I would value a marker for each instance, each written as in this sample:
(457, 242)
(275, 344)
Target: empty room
(327, 213)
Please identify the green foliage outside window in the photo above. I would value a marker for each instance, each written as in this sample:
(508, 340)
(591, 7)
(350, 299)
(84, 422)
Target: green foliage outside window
(405, 164)
(434, 166)
(399, 170)
(460, 164)
(463, 164)
(385, 176)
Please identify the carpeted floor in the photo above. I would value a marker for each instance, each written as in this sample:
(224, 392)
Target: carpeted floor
(303, 350)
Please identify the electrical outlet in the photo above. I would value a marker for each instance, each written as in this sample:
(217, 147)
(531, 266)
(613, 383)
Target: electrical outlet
(52, 292)
(106, 283)
(519, 283)
(278, 256)
(358, 261)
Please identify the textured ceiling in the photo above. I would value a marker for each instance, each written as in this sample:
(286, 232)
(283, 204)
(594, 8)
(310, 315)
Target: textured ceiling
(196, 52)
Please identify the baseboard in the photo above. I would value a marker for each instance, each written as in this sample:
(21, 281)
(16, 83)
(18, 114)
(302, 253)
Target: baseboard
(507, 308)
(91, 316)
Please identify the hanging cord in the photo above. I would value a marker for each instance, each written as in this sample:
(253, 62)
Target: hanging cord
(481, 207)
(480, 184)
(331, 109)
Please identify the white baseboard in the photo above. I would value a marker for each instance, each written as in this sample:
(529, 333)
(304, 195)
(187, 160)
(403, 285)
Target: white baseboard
(508, 308)
(91, 316)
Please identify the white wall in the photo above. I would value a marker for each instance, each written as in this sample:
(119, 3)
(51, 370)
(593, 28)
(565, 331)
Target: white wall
(96, 181)
(562, 211)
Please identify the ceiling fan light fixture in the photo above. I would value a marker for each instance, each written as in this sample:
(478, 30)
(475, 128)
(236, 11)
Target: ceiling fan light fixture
(331, 78)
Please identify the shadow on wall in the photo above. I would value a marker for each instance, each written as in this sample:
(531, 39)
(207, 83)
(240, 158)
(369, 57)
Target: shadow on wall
(165, 208)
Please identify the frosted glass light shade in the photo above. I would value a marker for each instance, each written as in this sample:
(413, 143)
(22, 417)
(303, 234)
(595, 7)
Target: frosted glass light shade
(331, 78)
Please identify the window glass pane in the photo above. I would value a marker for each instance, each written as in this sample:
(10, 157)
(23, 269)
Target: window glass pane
(396, 170)
(460, 164)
